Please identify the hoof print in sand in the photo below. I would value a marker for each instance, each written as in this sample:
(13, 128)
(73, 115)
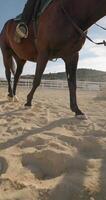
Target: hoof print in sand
(47, 164)
(3, 165)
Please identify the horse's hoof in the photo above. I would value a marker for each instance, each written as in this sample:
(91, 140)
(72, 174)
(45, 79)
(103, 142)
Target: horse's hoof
(10, 99)
(28, 105)
(82, 117)
(16, 99)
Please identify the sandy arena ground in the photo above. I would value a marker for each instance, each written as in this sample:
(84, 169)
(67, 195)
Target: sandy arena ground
(48, 154)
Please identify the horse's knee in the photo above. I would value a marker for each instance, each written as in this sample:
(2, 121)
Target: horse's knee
(36, 82)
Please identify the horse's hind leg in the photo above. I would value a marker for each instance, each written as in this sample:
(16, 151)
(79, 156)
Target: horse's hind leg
(8, 76)
(20, 64)
(7, 59)
(71, 67)
(41, 64)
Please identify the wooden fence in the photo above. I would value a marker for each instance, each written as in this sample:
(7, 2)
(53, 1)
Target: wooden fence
(59, 84)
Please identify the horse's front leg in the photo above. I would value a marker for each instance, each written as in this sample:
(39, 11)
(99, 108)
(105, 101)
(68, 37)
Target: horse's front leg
(41, 64)
(71, 67)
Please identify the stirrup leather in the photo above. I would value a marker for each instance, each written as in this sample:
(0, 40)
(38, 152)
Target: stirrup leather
(22, 30)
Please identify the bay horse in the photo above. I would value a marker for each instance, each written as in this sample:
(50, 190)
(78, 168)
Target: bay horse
(57, 37)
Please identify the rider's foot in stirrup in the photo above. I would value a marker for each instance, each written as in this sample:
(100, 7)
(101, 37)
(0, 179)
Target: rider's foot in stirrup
(21, 32)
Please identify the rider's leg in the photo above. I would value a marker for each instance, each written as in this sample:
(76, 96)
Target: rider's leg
(30, 9)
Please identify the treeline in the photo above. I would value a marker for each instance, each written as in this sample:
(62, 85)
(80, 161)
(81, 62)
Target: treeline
(91, 75)
(82, 75)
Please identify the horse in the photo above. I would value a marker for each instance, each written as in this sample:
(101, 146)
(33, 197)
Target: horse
(58, 36)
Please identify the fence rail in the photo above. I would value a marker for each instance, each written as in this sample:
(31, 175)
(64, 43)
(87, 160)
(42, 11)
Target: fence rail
(59, 84)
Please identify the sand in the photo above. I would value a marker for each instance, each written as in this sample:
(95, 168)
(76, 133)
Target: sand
(48, 154)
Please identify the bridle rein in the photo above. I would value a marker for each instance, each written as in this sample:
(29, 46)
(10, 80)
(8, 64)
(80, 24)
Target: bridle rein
(80, 31)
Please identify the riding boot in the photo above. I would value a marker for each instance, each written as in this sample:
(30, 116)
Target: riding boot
(34, 17)
(28, 11)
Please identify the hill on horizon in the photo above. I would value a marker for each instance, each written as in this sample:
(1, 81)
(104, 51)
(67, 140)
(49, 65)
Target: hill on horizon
(82, 75)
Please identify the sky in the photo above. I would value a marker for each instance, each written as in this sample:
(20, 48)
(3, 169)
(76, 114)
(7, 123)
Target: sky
(91, 55)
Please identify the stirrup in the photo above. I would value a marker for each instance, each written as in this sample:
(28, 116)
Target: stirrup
(21, 32)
